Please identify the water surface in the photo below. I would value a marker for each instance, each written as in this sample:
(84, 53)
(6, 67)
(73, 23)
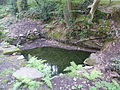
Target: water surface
(58, 58)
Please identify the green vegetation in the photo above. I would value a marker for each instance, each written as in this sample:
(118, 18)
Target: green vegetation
(73, 69)
(87, 24)
(107, 1)
(58, 57)
(115, 65)
(1, 61)
(106, 85)
(5, 81)
(75, 17)
(4, 11)
(92, 75)
(6, 72)
(32, 84)
(39, 64)
(77, 87)
(26, 83)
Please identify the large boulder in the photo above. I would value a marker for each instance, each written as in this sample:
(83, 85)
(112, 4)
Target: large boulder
(27, 72)
(92, 60)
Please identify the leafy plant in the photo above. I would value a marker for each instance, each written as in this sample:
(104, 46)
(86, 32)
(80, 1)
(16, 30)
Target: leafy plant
(4, 10)
(28, 83)
(115, 65)
(106, 85)
(39, 64)
(93, 75)
(43, 10)
(6, 71)
(1, 60)
(77, 87)
(73, 69)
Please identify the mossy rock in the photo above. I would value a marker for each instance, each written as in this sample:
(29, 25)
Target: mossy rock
(10, 50)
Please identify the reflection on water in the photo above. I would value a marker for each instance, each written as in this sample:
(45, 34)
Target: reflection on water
(58, 59)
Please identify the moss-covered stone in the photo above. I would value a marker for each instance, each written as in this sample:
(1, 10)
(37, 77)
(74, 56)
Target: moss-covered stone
(11, 51)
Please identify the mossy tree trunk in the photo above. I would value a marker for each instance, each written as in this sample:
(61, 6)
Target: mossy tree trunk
(93, 9)
(67, 13)
(18, 6)
(110, 1)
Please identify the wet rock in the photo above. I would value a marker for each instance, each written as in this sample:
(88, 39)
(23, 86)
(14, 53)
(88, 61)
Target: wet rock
(27, 72)
(92, 60)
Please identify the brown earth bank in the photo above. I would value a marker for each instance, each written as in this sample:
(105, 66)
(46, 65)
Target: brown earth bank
(32, 34)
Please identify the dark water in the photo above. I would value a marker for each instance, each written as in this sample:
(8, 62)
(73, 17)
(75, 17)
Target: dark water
(58, 58)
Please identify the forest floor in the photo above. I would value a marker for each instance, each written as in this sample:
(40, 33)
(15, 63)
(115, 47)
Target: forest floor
(8, 64)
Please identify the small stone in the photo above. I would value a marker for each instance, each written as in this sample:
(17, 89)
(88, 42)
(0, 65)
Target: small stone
(60, 88)
(20, 57)
(27, 72)
(74, 79)
(14, 54)
(35, 30)
(21, 35)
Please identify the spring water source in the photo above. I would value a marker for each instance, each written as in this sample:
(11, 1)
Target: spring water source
(58, 59)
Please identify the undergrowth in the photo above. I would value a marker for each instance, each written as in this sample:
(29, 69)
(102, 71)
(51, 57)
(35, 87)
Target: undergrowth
(92, 76)
(72, 70)
(32, 84)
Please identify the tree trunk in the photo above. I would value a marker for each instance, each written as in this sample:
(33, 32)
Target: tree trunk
(67, 13)
(22, 5)
(93, 9)
(110, 1)
(13, 8)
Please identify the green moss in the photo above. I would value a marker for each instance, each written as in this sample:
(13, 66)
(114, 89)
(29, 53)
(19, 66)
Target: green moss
(5, 81)
(109, 40)
(56, 35)
(10, 51)
(107, 1)
(1, 61)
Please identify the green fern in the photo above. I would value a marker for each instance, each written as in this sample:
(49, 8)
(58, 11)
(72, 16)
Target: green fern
(73, 69)
(93, 75)
(39, 65)
(106, 85)
(77, 87)
(31, 84)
